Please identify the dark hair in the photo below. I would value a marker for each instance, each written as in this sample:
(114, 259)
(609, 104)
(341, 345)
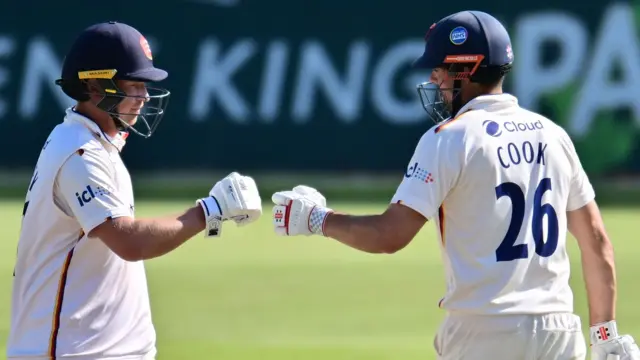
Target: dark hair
(490, 76)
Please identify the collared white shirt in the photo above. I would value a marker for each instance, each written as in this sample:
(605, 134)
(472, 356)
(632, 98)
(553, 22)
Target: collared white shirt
(72, 295)
(498, 180)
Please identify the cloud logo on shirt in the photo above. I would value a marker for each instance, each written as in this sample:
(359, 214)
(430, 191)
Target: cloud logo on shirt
(492, 128)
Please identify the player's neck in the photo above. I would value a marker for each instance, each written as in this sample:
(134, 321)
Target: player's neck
(101, 118)
(496, 90)
(493, 90)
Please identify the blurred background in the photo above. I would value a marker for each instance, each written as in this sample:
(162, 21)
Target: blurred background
(321, 93)
(319, 87)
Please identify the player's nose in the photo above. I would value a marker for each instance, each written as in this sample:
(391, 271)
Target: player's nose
(146, 97)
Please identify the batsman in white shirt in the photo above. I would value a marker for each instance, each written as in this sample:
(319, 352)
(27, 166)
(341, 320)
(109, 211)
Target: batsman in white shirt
(80, 289)
(503, 185)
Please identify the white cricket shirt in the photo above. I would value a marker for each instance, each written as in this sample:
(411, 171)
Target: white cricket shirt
(498, 181)
(72, 296)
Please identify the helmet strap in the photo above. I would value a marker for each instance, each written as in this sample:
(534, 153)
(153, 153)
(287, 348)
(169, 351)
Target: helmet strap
(109, 102)
(457, 98)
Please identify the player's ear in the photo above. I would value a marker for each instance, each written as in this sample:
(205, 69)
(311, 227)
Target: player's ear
(94, 90)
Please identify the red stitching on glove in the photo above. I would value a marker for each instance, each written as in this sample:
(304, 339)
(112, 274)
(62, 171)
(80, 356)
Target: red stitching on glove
(286, 217)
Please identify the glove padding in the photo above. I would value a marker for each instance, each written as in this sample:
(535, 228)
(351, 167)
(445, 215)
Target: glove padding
(301, 211)
(606, 344)
(234, 198)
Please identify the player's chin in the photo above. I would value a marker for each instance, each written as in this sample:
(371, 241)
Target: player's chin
(131, 120)
(449, 107)
(448, 104)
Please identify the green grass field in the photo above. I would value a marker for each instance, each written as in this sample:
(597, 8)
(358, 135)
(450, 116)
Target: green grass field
(252, 295)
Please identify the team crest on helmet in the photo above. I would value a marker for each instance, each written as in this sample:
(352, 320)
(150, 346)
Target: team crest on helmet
(458, 35)
(146, 48)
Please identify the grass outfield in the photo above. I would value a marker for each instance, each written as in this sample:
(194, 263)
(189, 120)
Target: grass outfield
(252, 295)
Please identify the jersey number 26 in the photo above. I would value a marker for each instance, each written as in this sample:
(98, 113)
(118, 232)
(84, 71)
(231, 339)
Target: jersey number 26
(508, 251)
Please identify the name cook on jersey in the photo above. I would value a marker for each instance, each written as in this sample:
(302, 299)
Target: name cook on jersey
(509, 155)
(514, 154)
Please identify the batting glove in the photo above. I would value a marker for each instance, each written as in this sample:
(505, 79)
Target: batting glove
(301, 211)
(234, 198)
(606, 344)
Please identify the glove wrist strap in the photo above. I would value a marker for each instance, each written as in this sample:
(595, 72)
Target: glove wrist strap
(212, 215)
(317, 219)
(603, 332)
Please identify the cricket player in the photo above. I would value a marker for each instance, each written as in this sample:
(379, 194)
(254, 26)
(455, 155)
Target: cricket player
(503, 185)
(80, 289)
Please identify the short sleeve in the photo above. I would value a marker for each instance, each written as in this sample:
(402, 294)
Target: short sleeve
(85, 184)
(431, 173)
(581, 191)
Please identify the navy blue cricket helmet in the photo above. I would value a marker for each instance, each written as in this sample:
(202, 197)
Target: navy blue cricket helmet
(469, 45)
(111, 51)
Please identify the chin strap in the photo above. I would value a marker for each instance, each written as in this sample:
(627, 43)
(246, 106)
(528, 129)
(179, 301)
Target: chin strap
(118, 123)
(457, 98)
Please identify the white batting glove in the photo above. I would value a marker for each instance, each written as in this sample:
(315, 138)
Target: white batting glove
(234, 198)
(606, 344)
(301, 211)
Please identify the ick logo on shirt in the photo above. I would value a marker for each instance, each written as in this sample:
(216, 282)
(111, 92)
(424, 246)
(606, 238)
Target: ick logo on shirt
(89, 194)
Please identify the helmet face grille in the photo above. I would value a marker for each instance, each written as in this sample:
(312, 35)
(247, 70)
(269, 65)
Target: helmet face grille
(433, 102)
(144, 121)
(147, 120)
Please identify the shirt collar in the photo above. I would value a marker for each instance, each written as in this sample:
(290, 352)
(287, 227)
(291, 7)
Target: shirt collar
(493, 101)
(117, 141)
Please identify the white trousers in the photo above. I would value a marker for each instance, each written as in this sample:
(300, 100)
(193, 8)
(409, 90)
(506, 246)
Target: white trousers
(511, 337)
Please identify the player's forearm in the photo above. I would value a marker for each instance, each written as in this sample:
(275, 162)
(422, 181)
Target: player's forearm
(598, 269)
(155, 237)
(365, 233)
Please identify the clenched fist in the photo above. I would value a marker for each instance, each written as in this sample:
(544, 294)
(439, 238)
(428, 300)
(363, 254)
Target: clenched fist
(301, 211)
(234, 198)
